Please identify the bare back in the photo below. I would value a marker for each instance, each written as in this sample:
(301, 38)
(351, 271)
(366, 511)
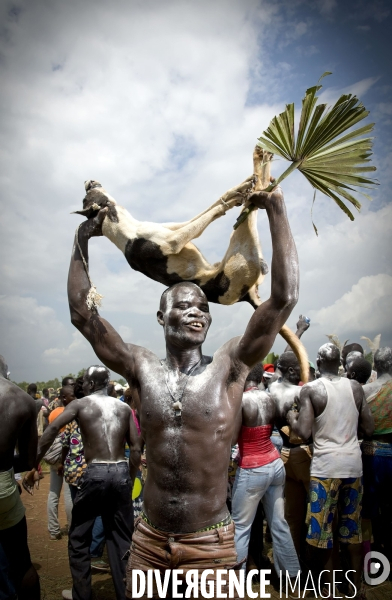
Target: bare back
(284, 395)
(18, 426)
(104, 425)
(258, 408)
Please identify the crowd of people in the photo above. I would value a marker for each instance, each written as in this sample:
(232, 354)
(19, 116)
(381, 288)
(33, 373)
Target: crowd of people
(224, 442)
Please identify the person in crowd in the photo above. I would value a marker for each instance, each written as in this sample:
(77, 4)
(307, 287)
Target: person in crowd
(73, 466)
(377, 454)
(18, 427)
(105, 424)
(303, 325)
(347, 349)
(332, 409)
(268, 376)
(188, 402)
(57, 482)
(68, 385)
(296, 452)
(260, 476)
(358, 368)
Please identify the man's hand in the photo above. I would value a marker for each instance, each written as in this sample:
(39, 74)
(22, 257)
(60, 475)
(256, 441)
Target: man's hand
(292, 417)
(93, 227)
(31, 481)
(303, 323)
(60, 470)
(266, 199)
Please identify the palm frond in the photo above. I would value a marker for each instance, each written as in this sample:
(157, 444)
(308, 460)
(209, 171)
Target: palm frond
(334, 160)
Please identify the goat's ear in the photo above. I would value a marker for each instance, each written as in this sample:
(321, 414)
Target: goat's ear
(160, 318)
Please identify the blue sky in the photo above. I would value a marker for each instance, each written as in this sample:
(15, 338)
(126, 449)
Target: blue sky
(163, 102)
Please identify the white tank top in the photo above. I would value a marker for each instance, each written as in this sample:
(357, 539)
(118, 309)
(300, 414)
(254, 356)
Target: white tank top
(336, 451)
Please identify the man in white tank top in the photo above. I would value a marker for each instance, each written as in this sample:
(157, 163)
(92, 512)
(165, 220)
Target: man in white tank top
(333, 409)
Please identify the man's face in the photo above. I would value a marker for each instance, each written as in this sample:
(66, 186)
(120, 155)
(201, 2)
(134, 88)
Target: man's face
(67, 395)
(187, 318)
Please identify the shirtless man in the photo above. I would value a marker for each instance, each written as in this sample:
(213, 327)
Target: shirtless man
(106, 489)
(261, 476)
(295, 453)
(333, 409)
(377, 454)
(18, 427)
(189, 403)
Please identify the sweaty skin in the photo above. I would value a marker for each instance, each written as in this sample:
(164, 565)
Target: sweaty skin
(105, 423)
(18, 427)
(313, 400)
(188, 454)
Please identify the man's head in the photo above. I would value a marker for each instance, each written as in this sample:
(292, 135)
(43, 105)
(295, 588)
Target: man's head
(4, 368)
(289, 367)
(184, 315)
(111, 390)
(95, 378)
(312, 372)
(347, 348)
(68, 384)
(383, 361)
(66, 395)
(45, 393)
(328, 359)
(32, 390)
(255, 376)
(358, 367)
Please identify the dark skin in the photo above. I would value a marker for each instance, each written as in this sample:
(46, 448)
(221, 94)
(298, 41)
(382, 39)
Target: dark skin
(284, 395)
(257, 406)
(383, 375)
(179, 449)
(18, 427)
(302, 326)
(105, 423)
(312, 402)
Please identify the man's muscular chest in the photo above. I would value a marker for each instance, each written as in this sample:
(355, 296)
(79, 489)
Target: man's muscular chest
(199, 402)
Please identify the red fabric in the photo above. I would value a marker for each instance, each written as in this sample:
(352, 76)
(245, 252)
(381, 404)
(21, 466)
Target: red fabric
(268, 368)
(256, 448)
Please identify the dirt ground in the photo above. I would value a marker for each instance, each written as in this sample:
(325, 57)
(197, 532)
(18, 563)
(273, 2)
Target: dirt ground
(50, 558)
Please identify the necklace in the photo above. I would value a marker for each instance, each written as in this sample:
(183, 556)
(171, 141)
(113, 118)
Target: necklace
(177, 396)
(253, 387)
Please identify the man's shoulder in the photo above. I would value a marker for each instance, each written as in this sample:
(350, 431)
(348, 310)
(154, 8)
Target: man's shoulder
(12, 394)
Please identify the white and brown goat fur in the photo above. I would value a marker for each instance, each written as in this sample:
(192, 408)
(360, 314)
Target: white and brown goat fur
(165, 252)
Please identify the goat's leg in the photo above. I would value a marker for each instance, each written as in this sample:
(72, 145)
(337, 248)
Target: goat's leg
(233, 197)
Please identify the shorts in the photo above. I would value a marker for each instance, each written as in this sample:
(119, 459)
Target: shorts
(155, 549)
(325, 495)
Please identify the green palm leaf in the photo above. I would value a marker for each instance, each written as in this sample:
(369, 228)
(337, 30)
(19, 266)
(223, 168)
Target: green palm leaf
(333, 159)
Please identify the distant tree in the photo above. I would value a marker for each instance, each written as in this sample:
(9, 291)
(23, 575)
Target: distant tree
(270, 358)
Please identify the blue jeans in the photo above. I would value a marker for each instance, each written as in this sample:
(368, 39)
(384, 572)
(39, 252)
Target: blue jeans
(98, 534)
(266, 483)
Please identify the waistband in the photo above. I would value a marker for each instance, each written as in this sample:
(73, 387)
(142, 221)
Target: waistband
(96, 461)
(226, 521)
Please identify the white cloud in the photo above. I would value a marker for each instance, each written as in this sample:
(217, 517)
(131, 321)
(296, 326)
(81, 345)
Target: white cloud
(365, 307)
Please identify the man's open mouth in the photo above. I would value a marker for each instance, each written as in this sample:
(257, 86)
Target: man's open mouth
(196, 324)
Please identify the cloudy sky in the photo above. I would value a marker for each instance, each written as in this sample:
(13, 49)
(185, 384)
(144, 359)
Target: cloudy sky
(163, 103)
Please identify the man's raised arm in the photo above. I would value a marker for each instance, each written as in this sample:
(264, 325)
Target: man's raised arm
(106, 342)
(269, 318)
